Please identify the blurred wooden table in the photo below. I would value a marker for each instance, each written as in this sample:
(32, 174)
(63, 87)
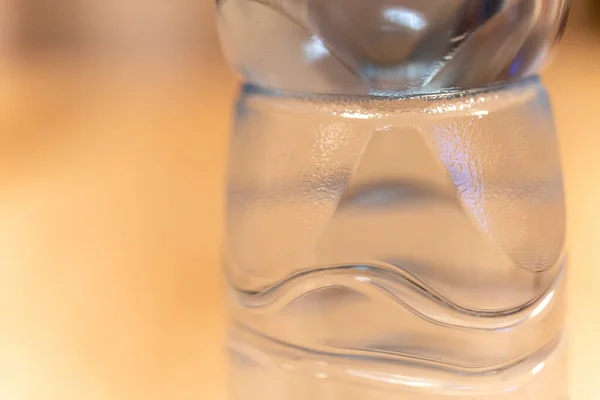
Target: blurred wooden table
(110, 224)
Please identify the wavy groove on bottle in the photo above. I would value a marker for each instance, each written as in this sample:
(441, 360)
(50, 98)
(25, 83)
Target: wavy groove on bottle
(399, 286)
(401, 371)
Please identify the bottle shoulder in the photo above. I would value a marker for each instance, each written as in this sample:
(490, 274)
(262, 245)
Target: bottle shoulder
(361, 47)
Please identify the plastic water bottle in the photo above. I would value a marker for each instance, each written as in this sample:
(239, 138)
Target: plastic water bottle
(395, 214)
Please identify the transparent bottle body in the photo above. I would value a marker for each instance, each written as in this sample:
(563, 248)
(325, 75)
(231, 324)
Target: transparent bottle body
(384, 247)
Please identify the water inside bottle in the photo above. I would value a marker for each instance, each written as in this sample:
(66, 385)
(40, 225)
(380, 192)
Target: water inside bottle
(396, 248)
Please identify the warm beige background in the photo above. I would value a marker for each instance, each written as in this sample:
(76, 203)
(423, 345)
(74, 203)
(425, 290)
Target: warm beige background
(112, 152)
